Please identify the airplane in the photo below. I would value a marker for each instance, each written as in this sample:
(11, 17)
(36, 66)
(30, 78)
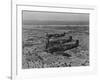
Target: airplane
(66, 40)
(55, 35)
(57, 41)
(64, 47)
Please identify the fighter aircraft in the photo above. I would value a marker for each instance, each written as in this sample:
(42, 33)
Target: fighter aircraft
(55, 35)
(63, 47)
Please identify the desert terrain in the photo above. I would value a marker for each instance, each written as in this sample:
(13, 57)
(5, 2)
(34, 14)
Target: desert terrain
(34, 41)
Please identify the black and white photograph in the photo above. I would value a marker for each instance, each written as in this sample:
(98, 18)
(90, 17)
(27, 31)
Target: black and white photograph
(54, 39)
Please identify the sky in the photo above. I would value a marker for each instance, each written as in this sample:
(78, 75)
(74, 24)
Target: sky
(54, 18)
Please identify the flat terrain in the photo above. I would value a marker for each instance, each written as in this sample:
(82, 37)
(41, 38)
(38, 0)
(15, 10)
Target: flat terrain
(35, 56)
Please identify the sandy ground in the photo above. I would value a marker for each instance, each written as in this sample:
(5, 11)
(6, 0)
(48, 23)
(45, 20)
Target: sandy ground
(34, 56)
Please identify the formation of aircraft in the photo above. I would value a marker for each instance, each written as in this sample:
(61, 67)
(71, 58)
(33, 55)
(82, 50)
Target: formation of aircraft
(56, 43)
(60, 44)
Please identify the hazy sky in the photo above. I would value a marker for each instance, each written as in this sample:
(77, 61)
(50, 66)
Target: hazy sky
(52, 18)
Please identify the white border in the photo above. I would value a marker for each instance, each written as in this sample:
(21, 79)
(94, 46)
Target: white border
(18, 73)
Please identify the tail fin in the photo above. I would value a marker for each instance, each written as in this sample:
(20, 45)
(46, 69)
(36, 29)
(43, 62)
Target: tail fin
(77, 42)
